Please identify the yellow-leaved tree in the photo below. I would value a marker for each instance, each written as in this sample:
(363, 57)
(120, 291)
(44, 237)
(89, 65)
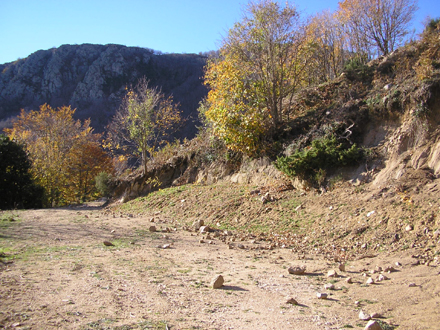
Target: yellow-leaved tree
(262, 62)
(144, 121)
(66, 155)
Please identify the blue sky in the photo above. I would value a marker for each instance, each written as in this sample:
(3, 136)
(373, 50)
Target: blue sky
(173, 26)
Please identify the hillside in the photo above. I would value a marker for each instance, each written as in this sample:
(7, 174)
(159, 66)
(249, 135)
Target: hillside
(93, 78)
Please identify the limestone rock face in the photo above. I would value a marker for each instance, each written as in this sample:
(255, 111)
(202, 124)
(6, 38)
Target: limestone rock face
(93, 78)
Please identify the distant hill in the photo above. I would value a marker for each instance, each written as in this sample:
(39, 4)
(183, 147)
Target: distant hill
(93, 78)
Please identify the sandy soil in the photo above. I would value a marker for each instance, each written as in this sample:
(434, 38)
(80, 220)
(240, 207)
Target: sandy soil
(56, 273)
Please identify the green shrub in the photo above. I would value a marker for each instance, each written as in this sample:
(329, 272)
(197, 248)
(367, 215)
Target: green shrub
(102, 183)
(312, 162)
(356, 69)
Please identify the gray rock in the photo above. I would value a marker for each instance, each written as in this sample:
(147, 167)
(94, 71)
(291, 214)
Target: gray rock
(291, 301)
(297, 270)
(197, 224)
(217, 282)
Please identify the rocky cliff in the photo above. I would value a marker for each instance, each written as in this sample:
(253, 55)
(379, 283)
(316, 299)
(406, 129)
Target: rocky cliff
(93, 78)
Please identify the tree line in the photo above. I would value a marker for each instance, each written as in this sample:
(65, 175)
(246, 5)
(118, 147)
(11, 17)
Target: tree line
(272, 52)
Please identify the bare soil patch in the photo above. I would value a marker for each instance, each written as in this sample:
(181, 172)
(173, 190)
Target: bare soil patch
(57, 273)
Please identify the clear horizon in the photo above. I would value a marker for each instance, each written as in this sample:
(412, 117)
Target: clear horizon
(168, 26)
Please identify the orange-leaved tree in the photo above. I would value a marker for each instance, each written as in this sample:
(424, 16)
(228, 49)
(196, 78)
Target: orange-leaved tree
(66, 155)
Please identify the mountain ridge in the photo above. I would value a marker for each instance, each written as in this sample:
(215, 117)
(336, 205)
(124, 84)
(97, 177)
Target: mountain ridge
(93, 79)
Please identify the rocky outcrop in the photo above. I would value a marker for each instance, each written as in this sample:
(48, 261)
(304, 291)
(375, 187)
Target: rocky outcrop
(93, 78)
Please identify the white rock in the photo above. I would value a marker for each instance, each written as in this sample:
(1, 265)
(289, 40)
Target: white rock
(204, 229)
(370, 281)
(364, 316)
(322, 295)
(408, 228)
(332, 273)
(382, 278)
(412, 285)
(373, 325)
(329, 286)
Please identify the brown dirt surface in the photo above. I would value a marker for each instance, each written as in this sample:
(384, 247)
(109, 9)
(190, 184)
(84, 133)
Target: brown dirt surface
(57, 273)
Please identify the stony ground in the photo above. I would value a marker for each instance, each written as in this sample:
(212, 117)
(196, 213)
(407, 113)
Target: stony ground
(57, 272)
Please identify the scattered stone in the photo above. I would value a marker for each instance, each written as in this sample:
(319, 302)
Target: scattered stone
(370, 280)
(322, 295)
(357, 302)
(364, 316)
(398, 264)
(204, 229)
(349, 280)
(382, 278)
(166, 246)
(152, 229)
(240, 246)
(332, 273)
(373, 325)
(342, 267)
(266, 198)
(409, 228)
(291, 301)
(329, 286)
(412, 285)
(197, 224)
(376, 315)
(297, 270)
(389, 269)
(201, 241)
(217, 282)
(107, 243)
(299, 207)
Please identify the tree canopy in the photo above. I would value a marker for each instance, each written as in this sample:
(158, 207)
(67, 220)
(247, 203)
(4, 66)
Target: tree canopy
(262, 62)
(144, 121)
(17, 189)
(380, 24)
(66, 155)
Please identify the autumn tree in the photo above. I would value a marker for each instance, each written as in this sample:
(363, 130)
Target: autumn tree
(145, 119)
(65, 153)
(262, 62)
(380, 24)
(326, 33)
(17, 189)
